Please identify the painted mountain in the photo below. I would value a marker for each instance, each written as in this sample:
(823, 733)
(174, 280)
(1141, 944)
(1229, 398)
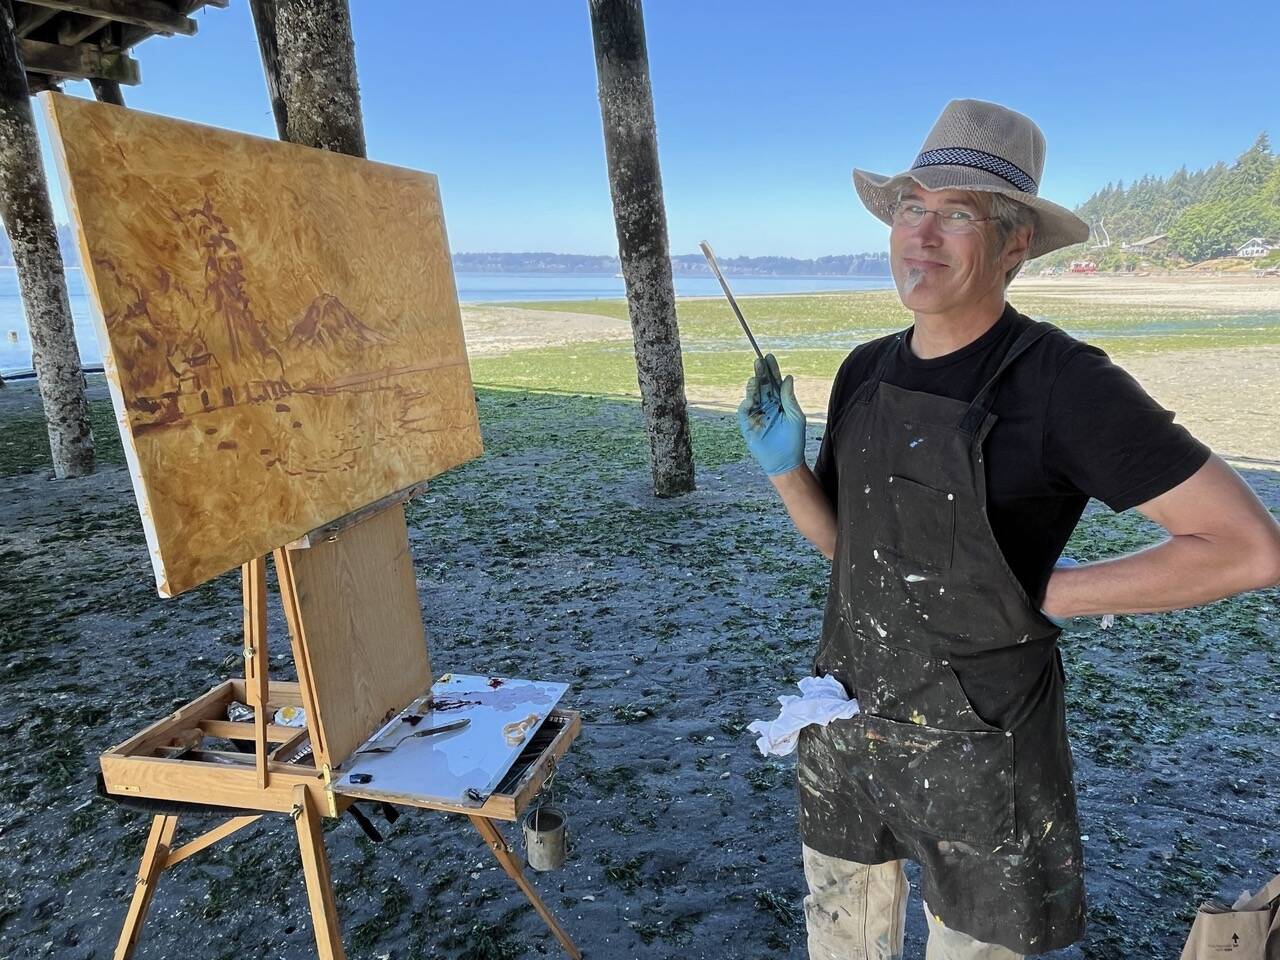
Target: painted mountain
(329, 342)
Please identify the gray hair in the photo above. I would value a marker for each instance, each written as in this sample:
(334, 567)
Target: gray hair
(1009, 217)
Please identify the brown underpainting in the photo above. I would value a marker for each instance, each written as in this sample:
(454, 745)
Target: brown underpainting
(279, 325)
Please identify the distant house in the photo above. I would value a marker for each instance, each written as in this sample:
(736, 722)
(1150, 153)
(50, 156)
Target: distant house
(1147, 244)
(1258, 247)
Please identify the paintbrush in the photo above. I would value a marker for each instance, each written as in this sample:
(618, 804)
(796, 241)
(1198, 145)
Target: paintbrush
(715, 268)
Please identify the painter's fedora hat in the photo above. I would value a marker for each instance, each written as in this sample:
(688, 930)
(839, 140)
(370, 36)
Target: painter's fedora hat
(976, 145)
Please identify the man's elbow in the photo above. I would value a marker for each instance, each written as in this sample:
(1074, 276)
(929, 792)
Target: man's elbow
(1263, 567)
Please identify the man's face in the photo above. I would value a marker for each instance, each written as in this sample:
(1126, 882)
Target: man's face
(937, 272)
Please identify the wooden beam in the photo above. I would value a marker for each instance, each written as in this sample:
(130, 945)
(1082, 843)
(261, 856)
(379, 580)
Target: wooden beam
(217, 784)
(74, 29)
(34, 18)
(82, 62)
(155, 16)
(131, 35)
(39, 82)
(107, 91)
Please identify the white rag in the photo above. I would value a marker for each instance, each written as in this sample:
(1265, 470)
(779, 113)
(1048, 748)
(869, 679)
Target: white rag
(821, 700)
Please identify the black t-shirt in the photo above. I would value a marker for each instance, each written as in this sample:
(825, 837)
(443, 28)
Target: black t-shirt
(1072, 425)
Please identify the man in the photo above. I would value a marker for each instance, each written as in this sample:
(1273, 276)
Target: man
(958, 457)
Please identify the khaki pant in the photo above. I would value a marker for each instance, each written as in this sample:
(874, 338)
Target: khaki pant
(857, 911)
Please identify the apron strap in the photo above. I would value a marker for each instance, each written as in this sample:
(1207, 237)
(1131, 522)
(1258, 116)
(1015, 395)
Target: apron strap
(868, 386)
(976, 415)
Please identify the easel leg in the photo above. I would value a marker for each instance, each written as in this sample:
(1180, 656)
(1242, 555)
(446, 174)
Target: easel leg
(153, 856)
(515, 870)
(315, 865)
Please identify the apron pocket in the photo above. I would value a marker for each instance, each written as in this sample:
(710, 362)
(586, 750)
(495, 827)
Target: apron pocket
(948, 784)
(919, 525)
(903, 685)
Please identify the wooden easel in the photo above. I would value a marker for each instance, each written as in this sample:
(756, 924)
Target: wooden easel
(257, 412)
(356, 631)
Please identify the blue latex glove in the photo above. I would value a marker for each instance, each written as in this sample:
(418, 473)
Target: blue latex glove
(772, 424)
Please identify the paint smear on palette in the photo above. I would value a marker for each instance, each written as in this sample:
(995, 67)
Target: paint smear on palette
(460, 767)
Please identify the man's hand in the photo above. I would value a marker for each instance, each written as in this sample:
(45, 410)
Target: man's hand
(773, 425)
(1074, 624)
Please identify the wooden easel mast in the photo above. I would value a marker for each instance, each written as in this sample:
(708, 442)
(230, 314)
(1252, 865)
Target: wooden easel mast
(254, 584)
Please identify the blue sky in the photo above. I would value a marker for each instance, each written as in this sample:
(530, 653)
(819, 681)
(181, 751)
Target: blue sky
(762, 107)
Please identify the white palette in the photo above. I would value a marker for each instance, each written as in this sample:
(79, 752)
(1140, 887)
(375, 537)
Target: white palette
(459, 767)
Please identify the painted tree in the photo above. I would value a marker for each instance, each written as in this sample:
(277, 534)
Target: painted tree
(28, 218)
(635, 182)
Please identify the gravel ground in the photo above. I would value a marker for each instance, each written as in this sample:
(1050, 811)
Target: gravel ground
(676, 622)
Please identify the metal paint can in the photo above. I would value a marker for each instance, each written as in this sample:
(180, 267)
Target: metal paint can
(545, 839)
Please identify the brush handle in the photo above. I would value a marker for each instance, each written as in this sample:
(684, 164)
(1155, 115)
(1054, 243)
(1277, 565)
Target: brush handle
(715, 268)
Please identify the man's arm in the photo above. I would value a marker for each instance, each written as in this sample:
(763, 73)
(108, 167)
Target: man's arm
(1222, 541)
(809, 507)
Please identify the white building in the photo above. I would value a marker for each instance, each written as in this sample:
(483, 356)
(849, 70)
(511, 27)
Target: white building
(1258, 247)
(1154, 242)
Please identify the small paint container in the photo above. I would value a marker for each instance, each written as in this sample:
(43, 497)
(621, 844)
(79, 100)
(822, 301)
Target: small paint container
(545, 839)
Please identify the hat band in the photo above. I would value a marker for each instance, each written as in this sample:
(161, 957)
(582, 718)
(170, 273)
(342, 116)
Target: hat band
(964, 157)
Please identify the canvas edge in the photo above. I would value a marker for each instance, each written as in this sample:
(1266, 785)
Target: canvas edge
(51, 101)
(466, 355)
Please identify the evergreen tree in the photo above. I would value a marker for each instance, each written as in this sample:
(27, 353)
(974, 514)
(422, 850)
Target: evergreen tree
(1207, 213)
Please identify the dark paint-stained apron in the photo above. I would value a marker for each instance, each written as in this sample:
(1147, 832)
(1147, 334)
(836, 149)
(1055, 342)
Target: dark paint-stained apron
(959, 759)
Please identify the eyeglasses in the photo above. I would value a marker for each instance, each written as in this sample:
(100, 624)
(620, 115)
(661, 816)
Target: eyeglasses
(952, 220)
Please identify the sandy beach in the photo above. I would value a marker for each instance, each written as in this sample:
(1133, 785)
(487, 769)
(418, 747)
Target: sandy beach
(495, 330)
(1185, 290)
(1226, 396)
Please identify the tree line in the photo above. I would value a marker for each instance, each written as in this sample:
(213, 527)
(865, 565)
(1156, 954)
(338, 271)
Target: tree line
(1205, 214)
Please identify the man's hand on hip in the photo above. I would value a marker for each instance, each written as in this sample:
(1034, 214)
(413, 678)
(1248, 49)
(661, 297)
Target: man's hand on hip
(772, 422)
(1075, 624)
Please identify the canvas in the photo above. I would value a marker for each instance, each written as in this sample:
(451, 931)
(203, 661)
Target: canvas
(280, 329)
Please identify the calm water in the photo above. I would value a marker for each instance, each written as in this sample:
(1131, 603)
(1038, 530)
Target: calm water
(15, 346)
